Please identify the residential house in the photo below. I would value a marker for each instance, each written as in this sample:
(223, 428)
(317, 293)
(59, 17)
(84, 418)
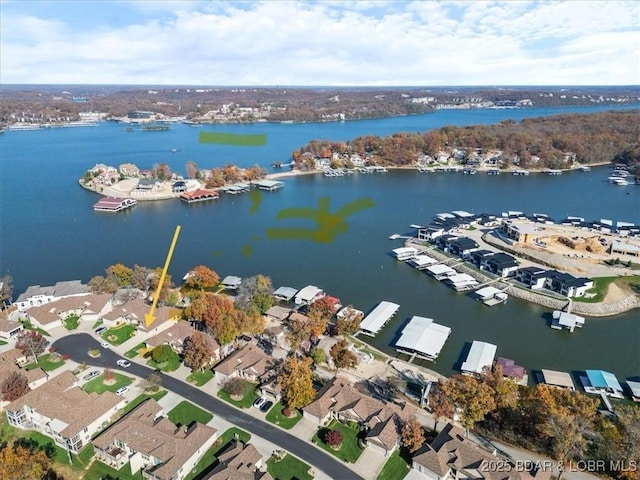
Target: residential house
(338, 399)
(533, 277)
(520, 231)
(513, 371)
(179, 186)
(239, 461)
(175, 335)
(13, 360)
(61, 410)
(250, 363)
(476, 257)
(148, 184)
(452, 455)
(566, 284)
(150, 443)
(500, 264)
(462, 247)
(8, 328)
(277, 313)
(134, 311)
(36, 295)
(129, 170)
(88, 307)
(285, 294)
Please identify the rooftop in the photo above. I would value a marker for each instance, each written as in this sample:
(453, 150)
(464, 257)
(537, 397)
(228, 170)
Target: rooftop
(378, 317)
(424, 336)
(480, 355)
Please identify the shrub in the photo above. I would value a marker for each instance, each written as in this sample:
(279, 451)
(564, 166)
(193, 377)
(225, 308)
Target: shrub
(333, 438)
(236, 386)
(65, 356)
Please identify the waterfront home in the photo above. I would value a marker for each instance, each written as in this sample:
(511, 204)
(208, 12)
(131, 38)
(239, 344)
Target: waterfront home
(533, 277)
(624, 248)
(231, 282)
(129, 170)
(378, 317)
(477, 256)
(557, 379)
(431, 232)
(404, 253)
(566, 320)
(601, 382)
(452, 455)
(152, 444)
(462, 247)
(61, 410)
(566, 284)
(13, 360)
(134, 311)
(175, 335)
(308, 295)
(512, 371)
(480, 356)
(36, 295)
(520, 231)
(488, 220)
(277, 313)
(500, 264)
(285, 294)
(340, 400)
(148, 184)
(89, 307)
(179, 186)
(423, 338)
(239, 461)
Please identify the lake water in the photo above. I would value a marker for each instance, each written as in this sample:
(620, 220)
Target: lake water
(49, 231)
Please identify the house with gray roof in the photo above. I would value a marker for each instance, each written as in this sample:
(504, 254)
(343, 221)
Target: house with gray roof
(36, 295)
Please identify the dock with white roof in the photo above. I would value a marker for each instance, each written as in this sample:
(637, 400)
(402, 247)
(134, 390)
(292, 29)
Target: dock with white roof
(490, 296)
(423, 338)
(378, 317)
(480, 355)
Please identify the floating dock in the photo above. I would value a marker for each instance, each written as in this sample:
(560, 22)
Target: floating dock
(380, 315)
(480, 356)
(490, 296)
(114, 204)
(423, 338)
(269, 185)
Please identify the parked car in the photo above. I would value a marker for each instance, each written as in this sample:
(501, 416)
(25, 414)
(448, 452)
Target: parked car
(266, 406)
(122, 390)
(123, 363)
(258, 402)
(100, 330)
(91, 374)
(105, 344)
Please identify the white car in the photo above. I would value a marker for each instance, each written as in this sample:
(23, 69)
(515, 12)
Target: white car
(123, 363)
(105, 344)
(122, 390)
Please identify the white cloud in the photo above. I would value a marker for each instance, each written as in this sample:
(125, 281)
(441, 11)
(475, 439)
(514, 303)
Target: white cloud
(331, 43)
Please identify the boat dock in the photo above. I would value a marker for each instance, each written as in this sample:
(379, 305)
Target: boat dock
(237, 188)
(422, 338)
(491, 296)
(378, 317)
(269, 185)
(114, 204)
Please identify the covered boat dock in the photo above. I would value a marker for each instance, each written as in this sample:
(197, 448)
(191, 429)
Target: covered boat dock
(422, 337)
(380, 315)
(480, 355)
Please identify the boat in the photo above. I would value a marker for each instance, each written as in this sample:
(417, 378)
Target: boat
(521, 172)
(493, 171)
(394, 236)
(584, 168)
(469, 171)
(155, 128)
(552, 171)
(620, 181)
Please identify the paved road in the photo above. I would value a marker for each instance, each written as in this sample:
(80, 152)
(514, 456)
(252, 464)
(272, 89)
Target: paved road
(78, 345)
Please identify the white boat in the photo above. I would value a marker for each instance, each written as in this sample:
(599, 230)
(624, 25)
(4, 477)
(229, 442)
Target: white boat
(620, 181)
(521, 172)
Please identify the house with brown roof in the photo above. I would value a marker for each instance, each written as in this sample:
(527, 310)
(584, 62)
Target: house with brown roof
(134, 312)
(9, 329)
(451, 456)
(61, 410)
(13, 360)
(149, 442)
(239, 461)
(249, 362)
(175, 335)
(129, 170)
(88, 307)
(340, 400)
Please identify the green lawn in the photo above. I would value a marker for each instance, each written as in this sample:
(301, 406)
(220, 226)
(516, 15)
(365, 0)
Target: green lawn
(97, 324)
(2, 342)
(120, 334)
(289, 468)
(395, 468)
(141, 398)
(99, 470)
(601, 285)
(45, 363)
(185, 413)
(200, 378)
(246, 401)
(134, 351)
(276, 417)
(349, 451)
(210, 456)
(97, 385)
(27, 324)
(72, 322)
(169, 366)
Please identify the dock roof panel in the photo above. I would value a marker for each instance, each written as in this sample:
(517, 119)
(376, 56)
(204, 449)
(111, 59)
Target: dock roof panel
(480, 355)
(378, 317)
(559, 379)
(602, 379)
(440, 269)
(286, 292)
(487, 292)
(424, 336)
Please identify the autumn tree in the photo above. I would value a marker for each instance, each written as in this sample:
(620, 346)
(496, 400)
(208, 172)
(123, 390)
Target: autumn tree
(192, 169)
(341, 355)
(236, 387)
(255, 294)
(349, 323)
(153, 381)
(199, 350)
(201, 278)
(505, 390)
(167, 285)
(121, 274)
(100, 284)
(298, 331)
(318, 355)
(249, 322)
(108, 376)
(324, 306)
(472, 398)
(14, 386)
(220, 318)
(439, 403)
(31, 342)
(162, 353)
(197, 307)
(333, 438)
(296, 382)
(412, 435)
(140, 277)
(19, 463)
(6, 289)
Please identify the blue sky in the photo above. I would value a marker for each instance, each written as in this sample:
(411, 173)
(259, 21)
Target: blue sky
(338, 43)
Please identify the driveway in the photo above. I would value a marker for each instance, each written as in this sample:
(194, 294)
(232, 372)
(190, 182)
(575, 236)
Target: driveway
(78, 345)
